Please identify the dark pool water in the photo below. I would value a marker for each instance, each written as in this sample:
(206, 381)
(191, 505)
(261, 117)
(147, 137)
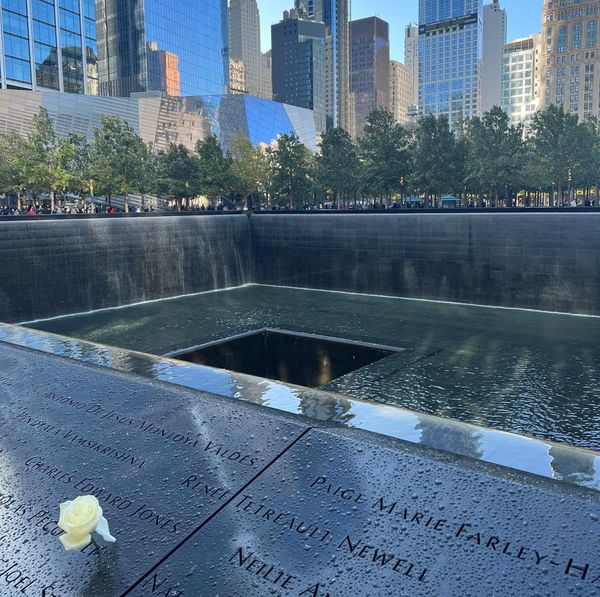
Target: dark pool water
(526, 372)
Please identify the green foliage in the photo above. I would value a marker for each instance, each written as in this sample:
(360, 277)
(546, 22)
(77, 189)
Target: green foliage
(482, 157)
(497, 153)
(120, 158)
(178, 173)
(215, 172)
(250, 168)
(80, 163)
(558, 145)
(338, 165)
(47, 158)
(437, 159)
(13, 176)
(384, 155)
(291, 171)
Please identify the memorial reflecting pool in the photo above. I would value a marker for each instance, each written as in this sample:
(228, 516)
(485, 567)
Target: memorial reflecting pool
(527, 372)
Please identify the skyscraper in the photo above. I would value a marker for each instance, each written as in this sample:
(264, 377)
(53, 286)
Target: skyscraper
(521, 79)
(299, 74)
(193, 33)
(369, 68)
(494, 39)
(411, 58)
(401, 91)
(571, 56)
(450, 53)
(48, 45)
(244, 41)
(237, 77)
(266, 76)
(335, 15)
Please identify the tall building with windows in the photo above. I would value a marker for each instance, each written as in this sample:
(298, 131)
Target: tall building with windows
(401, 92)
(521, 79)
(336, 16)
(450, 54)
(298, 55)
(411, 58)
(237, 77)
(369, 68)
(266, 75)
(244, 41)
(571, 56)
(495, 29)
(131, 34)
(48, 44)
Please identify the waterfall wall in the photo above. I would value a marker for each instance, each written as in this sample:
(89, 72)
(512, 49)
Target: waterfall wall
(549, 261)
(51, 267)
(537, 260)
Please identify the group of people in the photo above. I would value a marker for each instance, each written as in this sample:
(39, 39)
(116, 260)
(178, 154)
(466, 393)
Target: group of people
(40, 210)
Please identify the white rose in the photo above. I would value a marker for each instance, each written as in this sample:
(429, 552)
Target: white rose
(80, 518)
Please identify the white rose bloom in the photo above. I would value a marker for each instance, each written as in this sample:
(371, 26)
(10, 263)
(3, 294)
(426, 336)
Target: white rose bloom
(80, 518)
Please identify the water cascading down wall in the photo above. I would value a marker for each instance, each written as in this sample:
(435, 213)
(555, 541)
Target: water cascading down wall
(548, 261)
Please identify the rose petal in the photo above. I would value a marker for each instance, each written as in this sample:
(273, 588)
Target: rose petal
(102, 530)
(73, 542)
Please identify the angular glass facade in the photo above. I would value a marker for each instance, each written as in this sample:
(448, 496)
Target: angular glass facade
(261, 120)
(174, 46)
(450, 52)
(162, 120)
(48, 44)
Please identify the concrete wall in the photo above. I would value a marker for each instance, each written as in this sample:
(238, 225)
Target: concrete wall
(548, 261)
(54, 267)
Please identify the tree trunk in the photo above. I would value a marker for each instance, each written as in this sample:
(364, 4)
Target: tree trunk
(52, 200)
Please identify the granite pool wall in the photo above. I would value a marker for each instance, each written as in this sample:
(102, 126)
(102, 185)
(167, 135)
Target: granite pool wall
(51, 267)
(537, 260)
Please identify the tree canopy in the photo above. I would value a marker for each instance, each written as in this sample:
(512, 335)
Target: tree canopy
(486, 159)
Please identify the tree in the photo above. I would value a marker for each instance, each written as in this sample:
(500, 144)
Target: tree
(338, 164)
(497, 155)
(384, 153)
(178, 173)
(121, 159)
(555, 145)
(47, 158)
(290, 170)
(13, 178)
(587, 173)
(435, 156)
(250, 169)
(80, 165)
(215, 173)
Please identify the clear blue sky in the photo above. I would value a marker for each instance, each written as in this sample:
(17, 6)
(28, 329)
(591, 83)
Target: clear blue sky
(524, 17)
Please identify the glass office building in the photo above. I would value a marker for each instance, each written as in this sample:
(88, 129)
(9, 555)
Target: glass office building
(335, 14)
(299, 72)
(178, 47)
(450, 53)
(369, 69)
(48, 44)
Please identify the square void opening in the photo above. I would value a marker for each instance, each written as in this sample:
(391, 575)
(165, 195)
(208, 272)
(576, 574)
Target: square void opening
(291, 357)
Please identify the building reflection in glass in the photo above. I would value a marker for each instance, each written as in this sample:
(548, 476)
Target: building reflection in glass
(175, 46)
(163, 70)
